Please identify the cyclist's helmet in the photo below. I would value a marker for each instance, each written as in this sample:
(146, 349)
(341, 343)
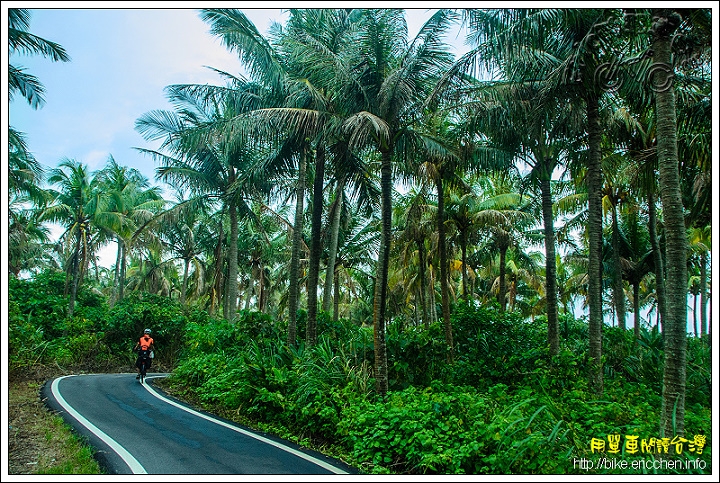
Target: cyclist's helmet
(147, 331)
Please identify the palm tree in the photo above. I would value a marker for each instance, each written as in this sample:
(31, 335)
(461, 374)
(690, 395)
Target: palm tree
(149, 272)
(25, 173)
(665, 23)
(638, 261)
(80, 208)
(503, 213)
(187, 233)
(440, 169)
(21, 41)
(28, 237)
(700, 243)
(202, 161)
(134, 202)
(615, 194)
(415, 229)
(27, 199)
(270, 66)
(529, 93)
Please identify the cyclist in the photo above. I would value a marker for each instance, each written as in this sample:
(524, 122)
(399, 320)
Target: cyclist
(146, 343)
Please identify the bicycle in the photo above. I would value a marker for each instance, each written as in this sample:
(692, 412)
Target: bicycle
(143, 363)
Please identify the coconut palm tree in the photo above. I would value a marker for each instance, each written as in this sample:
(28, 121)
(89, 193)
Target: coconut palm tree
(292, 107)
(700, 244)
(25, 173)
(21, 41)
(503, 213)
(664, 30)
(399, 76)
(80, 208)
(415, 228)
(197, 157)
(134, 202)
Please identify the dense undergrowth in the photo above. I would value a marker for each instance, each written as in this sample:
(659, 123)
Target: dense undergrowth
(503, 406)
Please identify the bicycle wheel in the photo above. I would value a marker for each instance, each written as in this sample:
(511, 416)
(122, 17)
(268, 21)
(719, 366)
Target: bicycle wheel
(142, 372)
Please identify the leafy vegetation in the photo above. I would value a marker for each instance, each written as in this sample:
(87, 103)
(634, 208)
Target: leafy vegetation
(504, 407)
(473, 320)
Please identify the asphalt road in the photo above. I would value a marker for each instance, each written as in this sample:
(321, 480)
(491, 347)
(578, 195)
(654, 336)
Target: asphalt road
(136, 428)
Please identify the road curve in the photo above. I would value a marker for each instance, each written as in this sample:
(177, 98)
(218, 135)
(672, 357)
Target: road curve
(137, 429)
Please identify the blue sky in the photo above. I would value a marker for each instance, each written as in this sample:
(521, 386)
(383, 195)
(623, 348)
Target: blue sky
(121, 59)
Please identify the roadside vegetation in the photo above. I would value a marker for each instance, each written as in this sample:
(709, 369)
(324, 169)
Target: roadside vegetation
(503, 407)
(39, 441)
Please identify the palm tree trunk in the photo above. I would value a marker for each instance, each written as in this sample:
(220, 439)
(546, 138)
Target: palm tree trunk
(75, 276)
(116, 281)
(703, 294)
(656, 254)
(463, 252)
(618, 292)
(695, 325)
(431, 297)
(551, 292)
(183, 289)
(636, 308)
(218, 277)
(332, 249)
(423, 282)
(594, 227)
(262, 301)
(231, 287)
(123, 271)
(381, 280)
(501, 291)
(336, 298)
(673, 408)
(443, 262)
(294, 287)
(315, 248)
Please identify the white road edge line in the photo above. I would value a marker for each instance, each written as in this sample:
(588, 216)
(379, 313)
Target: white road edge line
(300, 454)
(129, 459)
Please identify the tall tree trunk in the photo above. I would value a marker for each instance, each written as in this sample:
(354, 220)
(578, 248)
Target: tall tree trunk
(636, 308)
(315, 247)
(423, 282)
(123, 271)
(463, 255)
(218, 276)
(332, 249)
(501, 290)
(336, 298)
(75, 277)
(703, 294)
(431, 297)
(594, 187)
(294, 285)
(551, 292)
(116, 280)
(183, 289)
(443, 262)
(263, 291)
(231, 286)
(381, 280)
(618, 292)
(656, 254)
(674, 374)
(695, 325)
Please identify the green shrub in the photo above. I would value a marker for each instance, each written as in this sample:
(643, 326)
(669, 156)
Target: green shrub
(419, 431)
(137, 311)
